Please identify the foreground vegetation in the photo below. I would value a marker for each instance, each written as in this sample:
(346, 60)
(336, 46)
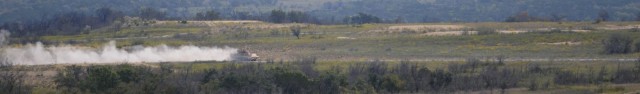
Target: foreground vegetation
(309, 76)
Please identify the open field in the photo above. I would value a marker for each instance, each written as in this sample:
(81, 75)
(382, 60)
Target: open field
(416, 41)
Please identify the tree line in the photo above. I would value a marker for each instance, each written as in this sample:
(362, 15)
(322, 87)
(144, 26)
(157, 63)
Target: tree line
(524, 16)
(73, 23)
(411, 10)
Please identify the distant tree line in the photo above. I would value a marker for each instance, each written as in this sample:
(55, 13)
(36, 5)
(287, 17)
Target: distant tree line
(332, 12)
(72, 23)
(361, 18)
(209, 15)
(64, 24)
(524, 16)
(151, 14)
(280, 16)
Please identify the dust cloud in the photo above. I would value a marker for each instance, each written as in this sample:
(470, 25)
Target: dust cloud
(38, 54)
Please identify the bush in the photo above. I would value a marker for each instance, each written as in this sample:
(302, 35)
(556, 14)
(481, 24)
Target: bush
(12, 81)
(108, 79)
(636, 45)
(295, 31)
(100, 79)
(635, 29)
(129, 74)
(533, 85)
(275, 33)
(71, 77)
(235, 82)
(486, 31)
(332, 83)
(617, 44)
(183, 22)
(291, 82)
(393, 83)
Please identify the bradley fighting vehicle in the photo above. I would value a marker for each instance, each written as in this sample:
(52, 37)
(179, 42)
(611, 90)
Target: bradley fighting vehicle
(245, 55)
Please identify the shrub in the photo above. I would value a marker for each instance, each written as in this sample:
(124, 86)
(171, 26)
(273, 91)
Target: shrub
(636, 45)
(486, 31)
(100, 79)
(393, 83)
(617, 44)
(440, 80)
(332, 83)
(533, 85)
(235, 82)
(183, 22)
(275, 33)
(291, 82)
(295, 31)
(556, 31)
(635, 29)
(128, 73)
(12, 81)
(71, 77)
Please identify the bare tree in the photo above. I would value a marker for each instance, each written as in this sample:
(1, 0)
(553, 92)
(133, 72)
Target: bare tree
(558, 18)
(500, 59)
(296, 31)
(603, 16)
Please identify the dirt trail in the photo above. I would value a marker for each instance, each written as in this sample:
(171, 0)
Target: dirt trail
(427, 27)
(619, 27)
(490, 59)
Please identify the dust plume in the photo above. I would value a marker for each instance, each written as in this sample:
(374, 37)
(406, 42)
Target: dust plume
(38, 54)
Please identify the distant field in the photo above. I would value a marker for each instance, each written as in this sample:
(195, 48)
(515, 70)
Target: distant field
(413, 41)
